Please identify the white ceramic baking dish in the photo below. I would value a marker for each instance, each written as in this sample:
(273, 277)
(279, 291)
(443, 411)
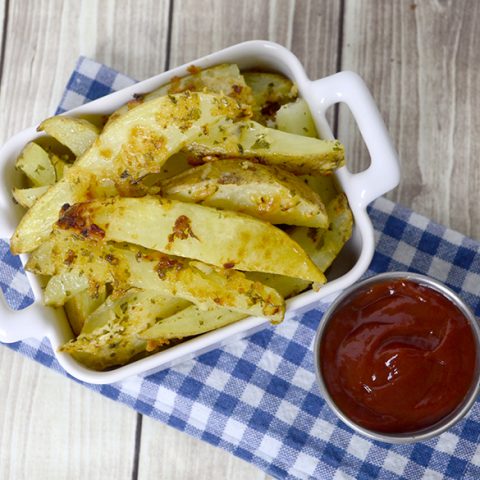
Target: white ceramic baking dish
(38, 321)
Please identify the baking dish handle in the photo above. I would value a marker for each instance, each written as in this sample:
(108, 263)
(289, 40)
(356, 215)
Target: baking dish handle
(31, 322)
(34, 321)
(383, 174)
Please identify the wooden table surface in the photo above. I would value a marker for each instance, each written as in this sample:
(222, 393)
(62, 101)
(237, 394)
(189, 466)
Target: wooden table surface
(422, 62)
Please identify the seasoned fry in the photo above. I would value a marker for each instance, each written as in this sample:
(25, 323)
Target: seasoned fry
(270, 92)
(64, 286)
(112, 334)
(262, 191)
(26, 197)
(35, 163)
(190, 321)
(250, 140)
(224, 79)
(80, 306)
(75, 133)
(324, 245)
(79, 264)
(222, 238)
(295, 117)
(137, 144)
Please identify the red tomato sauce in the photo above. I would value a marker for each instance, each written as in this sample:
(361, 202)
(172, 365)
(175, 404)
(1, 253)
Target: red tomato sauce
(397, 357)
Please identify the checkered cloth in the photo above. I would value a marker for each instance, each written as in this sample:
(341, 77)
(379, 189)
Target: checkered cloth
(257, 398)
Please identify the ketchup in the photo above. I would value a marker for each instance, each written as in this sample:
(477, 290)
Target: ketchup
(397, 356)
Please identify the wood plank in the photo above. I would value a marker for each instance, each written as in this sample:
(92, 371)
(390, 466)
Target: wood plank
(421, 63)
(45, 39)
(310, 30)
(180, 456)
(56, 428)
(62, 429)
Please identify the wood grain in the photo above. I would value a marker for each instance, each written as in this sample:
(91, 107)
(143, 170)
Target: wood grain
(55, 428)
(422, 63)
(309, 28)
(168, 453)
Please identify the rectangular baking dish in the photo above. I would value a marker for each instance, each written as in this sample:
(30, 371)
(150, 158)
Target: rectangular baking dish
(38, 321)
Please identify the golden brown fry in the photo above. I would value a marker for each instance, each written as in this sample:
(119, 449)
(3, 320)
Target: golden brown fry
(79, 264)
(250, 140)
(222, 238)
(262, 191)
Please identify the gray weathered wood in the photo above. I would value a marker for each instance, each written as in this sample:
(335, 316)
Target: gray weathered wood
(168, 453)
(55, 428)
(422, 63)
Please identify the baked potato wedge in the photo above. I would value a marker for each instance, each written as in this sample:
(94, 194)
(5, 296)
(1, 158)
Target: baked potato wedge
(324, 245)
(217, 237)
(250, 140)
(34, 162)
(295, 117)
(76, 134)
(111, 336)
(223, 79)
(26, 197)
(262, 191)
(270, 91)
(79, 264)
(188, 322)
(80, 306)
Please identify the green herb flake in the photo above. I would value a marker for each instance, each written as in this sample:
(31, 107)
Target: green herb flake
(261, 143)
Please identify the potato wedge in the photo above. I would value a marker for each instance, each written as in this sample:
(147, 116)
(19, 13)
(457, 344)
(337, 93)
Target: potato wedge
(322, 185)
(190, 321)
(60, 165)
(26, 197)
(79, 264)
(225, 79)
(150, 306)
(75, 133)
(79, 307)
(193, 321)
(270, 91)
(286, 286)
(250, 140)
(324, 245)
(137, 144)
(262, 191)
(222, 238)
(295, 117)
(115, 340)
(64, 286)
(35, 163)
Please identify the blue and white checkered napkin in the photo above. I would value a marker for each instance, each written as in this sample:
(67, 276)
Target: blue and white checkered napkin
(257, 398)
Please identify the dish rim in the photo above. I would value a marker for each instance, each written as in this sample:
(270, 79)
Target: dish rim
(360, 188)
